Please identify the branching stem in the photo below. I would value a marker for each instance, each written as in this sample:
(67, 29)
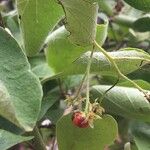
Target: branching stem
(111, 60)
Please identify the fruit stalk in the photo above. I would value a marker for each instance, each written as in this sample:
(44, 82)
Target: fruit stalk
(88, 82)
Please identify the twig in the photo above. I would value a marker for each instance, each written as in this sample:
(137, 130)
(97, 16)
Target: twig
(111, 60)
(103, 96)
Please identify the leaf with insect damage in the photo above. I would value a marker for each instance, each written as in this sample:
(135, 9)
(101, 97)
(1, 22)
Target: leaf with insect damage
(81, 20)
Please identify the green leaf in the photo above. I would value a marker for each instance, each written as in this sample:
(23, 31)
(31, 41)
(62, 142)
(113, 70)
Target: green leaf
(20, 90)
(8, 139)
(81, 20)
(142, 142)
(101, 33)
(39, 67)
(142, 24)
(142, 73)
(123, 101)
(141, 134)
(71, 82)
(13, 26)
(139, 4)
(9, 126)
(37, 18)
(128, 60)
(106, 6)
(54, 114)
(48, 101)
(71, 137)
(143, 84)
(60, 50)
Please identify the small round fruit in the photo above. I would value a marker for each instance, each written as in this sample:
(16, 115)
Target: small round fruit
(79, 120)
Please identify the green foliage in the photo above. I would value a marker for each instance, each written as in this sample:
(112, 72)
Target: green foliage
(53, 52)
(80, 20)
(61, 50)
(140, 4)
(141, 135)
(37, 18)
(21, 99)
(124, 101)
(71, 137)
(8, 139)
(142, 142)
(39, 67)
(48, 101)
(145, 85)
(142, 24)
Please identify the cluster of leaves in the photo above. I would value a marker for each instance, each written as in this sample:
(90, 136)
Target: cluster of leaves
(44, 52)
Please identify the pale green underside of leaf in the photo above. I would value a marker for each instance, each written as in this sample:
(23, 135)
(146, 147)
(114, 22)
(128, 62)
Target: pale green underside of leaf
(20, 90)
(81, 20)
(8, 139)
(139, 4)
(128, 60)
(63, 56)
(37, 18)
(71, 137)
(124, 101)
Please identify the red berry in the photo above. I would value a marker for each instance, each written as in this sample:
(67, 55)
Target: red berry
(79, 119)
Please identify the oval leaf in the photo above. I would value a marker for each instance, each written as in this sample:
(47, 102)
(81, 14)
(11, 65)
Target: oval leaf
(37, 18)
(8, 139)
(20, 90)
(123, 101)
(71, 137)
(128, 60)
(141, 134)
(81, 20)
(139, 4)
(142, 24)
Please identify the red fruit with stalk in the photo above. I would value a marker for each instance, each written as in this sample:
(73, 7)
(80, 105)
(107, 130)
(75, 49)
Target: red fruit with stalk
(79, 119)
